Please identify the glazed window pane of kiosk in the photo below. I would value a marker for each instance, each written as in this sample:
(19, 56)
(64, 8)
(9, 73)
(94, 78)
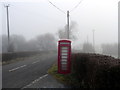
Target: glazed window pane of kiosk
(64, 56)
(64, 51)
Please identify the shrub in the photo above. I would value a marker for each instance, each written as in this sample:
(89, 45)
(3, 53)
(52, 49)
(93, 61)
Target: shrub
(87, 70)
(108, 77)
(91, 71)
(79, 65)
(9, 56)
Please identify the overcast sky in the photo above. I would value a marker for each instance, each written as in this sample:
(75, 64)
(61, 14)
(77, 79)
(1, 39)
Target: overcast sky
(34, 17)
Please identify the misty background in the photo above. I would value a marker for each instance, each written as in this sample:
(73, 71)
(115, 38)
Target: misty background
(37, 25)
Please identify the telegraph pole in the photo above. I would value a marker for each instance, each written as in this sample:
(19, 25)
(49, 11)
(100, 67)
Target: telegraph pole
(87, 39)
(93, 41)
(7, 10)
(67, 24)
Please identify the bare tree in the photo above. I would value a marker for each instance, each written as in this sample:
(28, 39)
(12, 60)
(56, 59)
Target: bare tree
(32, 45)
(62, 33)
(4, 43)
(88, 48)
(5, 47)
(0, 44)
(110, 49)
(47, 42)
(19, 42)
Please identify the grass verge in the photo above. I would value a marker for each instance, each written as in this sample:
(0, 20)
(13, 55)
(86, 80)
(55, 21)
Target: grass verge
(67, 79)
(17, 59)
(12, 61)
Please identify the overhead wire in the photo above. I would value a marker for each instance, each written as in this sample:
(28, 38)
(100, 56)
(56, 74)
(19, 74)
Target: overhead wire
(76, 5)
(56, 7)
(62, 10)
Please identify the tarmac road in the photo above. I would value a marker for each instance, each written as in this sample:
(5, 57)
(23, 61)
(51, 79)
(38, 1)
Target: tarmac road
(29, 72)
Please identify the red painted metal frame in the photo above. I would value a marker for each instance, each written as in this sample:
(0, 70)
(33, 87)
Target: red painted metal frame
(68, 59)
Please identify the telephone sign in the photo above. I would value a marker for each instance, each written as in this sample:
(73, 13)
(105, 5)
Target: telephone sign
(64, 56)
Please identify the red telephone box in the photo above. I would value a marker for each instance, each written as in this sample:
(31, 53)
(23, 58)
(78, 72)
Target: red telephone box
(64, 56)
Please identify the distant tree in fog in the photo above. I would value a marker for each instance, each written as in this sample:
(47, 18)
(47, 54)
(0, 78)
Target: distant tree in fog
(88, 48)
(5, 47)
(110, 49)
(62, 33)
(47, 42)
(19, 43)
(32, 45)
(0, 44)
(4, 43)
(119, 49)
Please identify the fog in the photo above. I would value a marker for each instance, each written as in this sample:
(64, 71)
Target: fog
(35, 18)
(19, 43)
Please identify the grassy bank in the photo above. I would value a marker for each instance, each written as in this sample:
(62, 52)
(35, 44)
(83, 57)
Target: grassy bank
(13, 61)
(67, 79)
(90, 71)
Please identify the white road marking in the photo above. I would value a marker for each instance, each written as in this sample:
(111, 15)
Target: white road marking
(17, 68)
(35, 62)
(27, 86)
(44, 87)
